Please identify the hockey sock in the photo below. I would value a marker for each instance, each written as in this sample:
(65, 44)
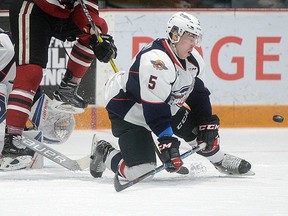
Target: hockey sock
(113, 159)
(217, 157)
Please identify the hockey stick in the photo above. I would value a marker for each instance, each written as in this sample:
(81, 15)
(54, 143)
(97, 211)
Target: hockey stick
(119, 187)
(53, 155)
(93, 26)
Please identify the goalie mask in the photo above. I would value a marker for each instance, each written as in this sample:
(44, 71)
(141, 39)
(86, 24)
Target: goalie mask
(182, 22)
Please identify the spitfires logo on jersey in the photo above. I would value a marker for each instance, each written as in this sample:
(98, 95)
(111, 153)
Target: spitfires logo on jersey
(159, 65)
(179, 97)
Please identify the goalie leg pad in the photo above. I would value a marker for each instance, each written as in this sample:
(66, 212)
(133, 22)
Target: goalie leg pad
(3, 102)
(25, 161)
(3, 106)
(10, 164)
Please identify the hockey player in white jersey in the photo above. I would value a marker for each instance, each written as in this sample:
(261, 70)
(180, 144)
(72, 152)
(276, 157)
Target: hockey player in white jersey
(150, 97)
(54, 127)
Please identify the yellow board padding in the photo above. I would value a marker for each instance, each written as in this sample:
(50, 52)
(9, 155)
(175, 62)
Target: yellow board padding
(230, 117)
(92, 118)
(250, 116)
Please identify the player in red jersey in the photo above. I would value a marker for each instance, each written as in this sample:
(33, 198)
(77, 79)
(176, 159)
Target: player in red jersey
(33, 23)
(53, 126)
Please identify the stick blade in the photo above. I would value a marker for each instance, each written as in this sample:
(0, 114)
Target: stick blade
(84, 162)
(117, 185)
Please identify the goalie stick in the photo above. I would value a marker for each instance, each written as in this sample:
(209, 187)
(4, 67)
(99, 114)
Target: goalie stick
(53, 155)
(119, 187)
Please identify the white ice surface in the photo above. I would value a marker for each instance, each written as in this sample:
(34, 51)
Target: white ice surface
(55, 191)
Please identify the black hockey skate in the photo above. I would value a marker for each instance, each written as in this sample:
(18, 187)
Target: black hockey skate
(231, 165)
(71, 101)
(99, 151)
(13, 148)
(14, 155)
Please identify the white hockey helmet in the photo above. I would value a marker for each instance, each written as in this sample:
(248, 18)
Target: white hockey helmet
(183, 22)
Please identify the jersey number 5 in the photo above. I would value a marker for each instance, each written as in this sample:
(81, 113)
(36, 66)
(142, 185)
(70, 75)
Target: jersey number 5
(152, 82)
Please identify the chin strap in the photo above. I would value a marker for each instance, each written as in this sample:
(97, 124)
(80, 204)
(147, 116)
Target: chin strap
(173, 44)
(174, 49)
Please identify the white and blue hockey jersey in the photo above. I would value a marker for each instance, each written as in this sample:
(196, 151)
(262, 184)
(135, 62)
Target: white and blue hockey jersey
(156, 86)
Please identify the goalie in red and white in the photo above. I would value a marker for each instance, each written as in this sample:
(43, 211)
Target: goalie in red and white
(49, 126)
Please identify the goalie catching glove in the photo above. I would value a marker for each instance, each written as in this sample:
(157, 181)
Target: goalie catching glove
(169, 148)
(208, 132)
(56, 126)
(105, 50)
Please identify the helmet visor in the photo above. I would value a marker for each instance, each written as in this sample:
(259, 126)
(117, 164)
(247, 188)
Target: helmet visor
(196, 39)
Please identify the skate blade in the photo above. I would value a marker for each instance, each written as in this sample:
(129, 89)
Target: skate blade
(93, 146)
(249, 173)
(65, 108)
